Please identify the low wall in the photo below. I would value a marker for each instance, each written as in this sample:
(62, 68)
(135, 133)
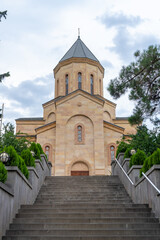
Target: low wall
(17, 190)
(142, 191)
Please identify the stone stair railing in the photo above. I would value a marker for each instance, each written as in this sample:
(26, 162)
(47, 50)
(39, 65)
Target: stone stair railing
(18, 190)
(141, 192)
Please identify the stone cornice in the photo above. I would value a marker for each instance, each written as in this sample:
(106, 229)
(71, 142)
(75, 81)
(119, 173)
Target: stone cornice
(78, 60)
(45, 127)
(82, 93)
(113, 127)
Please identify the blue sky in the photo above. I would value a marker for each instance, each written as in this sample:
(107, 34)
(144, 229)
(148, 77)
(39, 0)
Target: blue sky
(36, 35)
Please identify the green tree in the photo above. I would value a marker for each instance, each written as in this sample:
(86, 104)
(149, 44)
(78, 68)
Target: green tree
(8, 138)
(2, 76)
(145, 140)
(142, 79)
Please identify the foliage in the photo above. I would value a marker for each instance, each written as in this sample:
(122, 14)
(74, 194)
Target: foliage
(9, 139)
(14, 160)
(142, 78)
(121, 148)
(35, 149)
(22, 167)
(138, 158)
(28, 158)
(3, 14)
(127, 153)
(40, 148)
(150, 161)
(2, 76)
(3, 173)
(145, 140)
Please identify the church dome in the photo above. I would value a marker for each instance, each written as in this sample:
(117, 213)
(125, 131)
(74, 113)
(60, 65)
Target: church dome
(79, 50)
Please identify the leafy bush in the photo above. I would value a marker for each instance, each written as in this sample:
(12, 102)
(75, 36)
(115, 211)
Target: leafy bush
(28, 158)
(138, 158)
(127, 153)
(122, 147)
(22, 167)
(35, 149)
(156, 156)
(14, 160)
(40, 148)
(3, 173)
(145, 166)
(150, 161)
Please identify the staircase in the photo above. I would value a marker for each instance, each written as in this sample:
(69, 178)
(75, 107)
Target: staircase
(86, 208)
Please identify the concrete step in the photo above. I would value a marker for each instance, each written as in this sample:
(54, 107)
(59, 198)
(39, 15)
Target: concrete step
(83, 205)
(83, 210)
(85, 214)
(84, 226)
(88, 232)
(101, 237)
(86, 220)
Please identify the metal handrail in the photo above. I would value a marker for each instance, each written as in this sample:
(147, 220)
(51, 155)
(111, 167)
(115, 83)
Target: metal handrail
(124, 172)
(152, 184)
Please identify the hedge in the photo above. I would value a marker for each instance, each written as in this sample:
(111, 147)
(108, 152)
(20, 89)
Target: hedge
(150, 161)
(122, 147)
(3, 173)
(35, 149)
(138, 158)
(28, 158)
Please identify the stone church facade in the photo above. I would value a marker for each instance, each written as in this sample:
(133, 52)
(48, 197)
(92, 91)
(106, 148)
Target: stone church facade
(79, 128)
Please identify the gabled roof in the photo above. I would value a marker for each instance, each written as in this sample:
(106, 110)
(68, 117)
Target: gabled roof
(79, 50)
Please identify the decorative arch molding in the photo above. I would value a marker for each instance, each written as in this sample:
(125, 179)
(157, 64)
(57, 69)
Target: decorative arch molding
(69, 168)
(51, 117)
(77, 115)
(107, 116)
(109, 151)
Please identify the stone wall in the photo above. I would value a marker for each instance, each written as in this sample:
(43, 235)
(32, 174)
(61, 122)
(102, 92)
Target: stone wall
(141, 191)
(17, 190)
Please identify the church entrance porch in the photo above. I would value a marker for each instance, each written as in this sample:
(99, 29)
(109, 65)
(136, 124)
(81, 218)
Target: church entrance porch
(79, 169)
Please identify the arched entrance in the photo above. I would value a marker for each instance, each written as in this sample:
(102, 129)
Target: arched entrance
(79, 169)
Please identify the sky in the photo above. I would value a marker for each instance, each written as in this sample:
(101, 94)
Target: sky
(37, 33)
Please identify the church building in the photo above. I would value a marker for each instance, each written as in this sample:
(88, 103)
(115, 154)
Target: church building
(79, 128)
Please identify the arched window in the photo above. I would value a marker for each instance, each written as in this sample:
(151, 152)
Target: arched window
(66, 80)
(47, 150)
(79, 80)
(79, 134)
(91, 83)
(57, 87)
(112, 151)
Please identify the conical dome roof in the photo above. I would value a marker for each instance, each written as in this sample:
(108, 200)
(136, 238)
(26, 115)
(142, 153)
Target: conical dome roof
(79, 50)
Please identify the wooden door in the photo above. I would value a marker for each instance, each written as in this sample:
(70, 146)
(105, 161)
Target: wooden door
(79, 173)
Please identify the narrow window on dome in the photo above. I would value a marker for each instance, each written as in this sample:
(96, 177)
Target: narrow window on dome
(79, 80)
(100, 91)
(66, 84)
(91, 83)
(112, 150)
(57, 87)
